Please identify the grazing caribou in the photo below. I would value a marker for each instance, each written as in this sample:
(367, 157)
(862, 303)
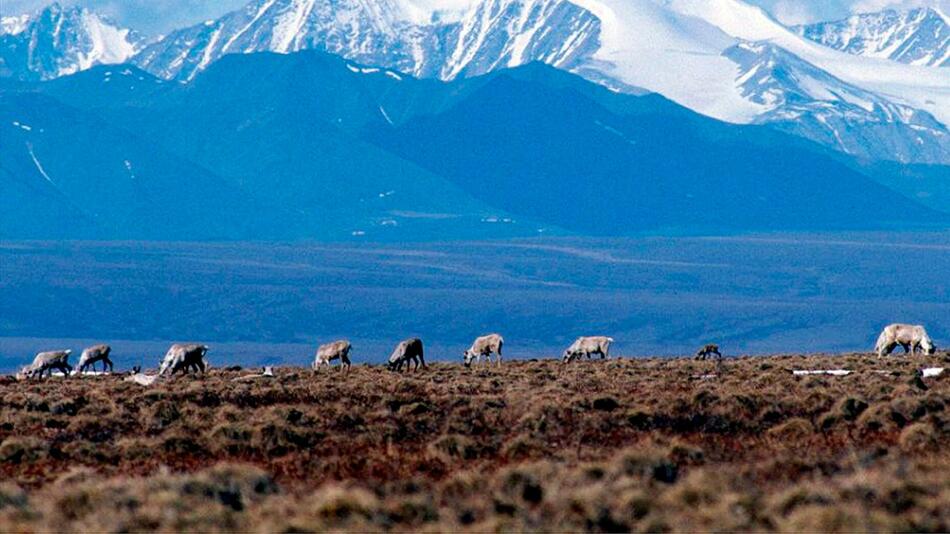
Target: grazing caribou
(585, 346)
(184, 357)
(708, 350)
(337, 350)
(96, 353)
(910, 337)
(45, 362)
(484, 346)
(409, 350)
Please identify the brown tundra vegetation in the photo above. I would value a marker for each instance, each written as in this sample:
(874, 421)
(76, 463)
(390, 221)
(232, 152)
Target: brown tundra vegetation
(602, 445)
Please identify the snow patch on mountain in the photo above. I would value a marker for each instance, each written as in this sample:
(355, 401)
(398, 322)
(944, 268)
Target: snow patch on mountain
(14, 25)
(39, 166)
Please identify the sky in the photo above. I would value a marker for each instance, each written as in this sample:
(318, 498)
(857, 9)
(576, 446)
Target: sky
(156, 17)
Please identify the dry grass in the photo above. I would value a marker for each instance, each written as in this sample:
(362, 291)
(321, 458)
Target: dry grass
(642, 445)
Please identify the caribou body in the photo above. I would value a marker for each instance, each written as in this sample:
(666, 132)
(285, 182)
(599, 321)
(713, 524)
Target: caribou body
(184, 357)
(484, 346)
(585, 346)
(911, 338)
(337, 350)
(93, 354)
(45, 362)
(407, 351)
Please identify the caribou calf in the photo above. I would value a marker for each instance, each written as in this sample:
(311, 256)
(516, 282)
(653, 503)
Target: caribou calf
(96, 353)
(337, 350)
(45, 362)
(184, 357)
(585, 346)
(409, 350)
(484, 346)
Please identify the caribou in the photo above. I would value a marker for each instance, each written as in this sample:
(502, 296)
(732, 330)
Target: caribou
(184, 357)
(91, 355)
(409, 350)
(708, 350)
(910, 337)
(484, 346)
(45, 362)
(585, 346)
(337, 350)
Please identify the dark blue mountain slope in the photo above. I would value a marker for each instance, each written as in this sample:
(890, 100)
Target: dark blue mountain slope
(310, 145)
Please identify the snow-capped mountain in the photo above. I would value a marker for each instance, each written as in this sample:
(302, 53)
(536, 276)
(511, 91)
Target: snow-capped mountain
(682, 49)
(702, 54)
(58, 41)
(917, 37)
(803, 99)
(391, 33)
(685, 50)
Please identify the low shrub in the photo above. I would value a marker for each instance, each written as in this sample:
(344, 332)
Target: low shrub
(919, 437)
(793, 429)
(455, 447)
(23, 449)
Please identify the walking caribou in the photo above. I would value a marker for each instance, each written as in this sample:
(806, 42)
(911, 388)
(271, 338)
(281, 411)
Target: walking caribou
(93, 354)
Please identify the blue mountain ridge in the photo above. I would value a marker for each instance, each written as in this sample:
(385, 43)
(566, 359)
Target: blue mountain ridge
(309, 145)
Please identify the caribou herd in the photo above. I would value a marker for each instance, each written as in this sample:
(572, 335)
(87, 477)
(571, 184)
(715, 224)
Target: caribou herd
(409, 354)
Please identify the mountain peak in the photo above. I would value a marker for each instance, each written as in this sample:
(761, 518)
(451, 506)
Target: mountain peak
(397, 34)
(58, 40)
(919, 36)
